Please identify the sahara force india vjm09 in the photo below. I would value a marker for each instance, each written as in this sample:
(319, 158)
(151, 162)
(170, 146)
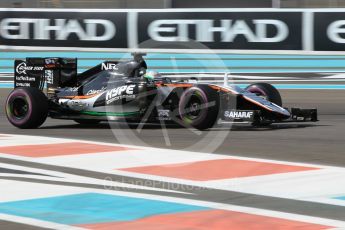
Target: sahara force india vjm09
(127, 91)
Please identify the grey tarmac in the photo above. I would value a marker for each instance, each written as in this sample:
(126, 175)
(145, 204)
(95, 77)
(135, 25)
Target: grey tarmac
(317, 143)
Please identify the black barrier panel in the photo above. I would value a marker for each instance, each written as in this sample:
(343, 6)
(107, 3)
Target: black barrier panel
(221, 30)
(329, 31)
(64, 29)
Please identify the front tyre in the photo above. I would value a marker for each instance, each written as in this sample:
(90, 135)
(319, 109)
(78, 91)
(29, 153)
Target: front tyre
(267, 91)
(199, 107)
(26, 108)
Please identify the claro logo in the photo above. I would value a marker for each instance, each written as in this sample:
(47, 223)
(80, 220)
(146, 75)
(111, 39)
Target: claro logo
(57, 29)
(229, 30)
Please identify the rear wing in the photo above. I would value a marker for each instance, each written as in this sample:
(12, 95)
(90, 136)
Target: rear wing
(39, 72)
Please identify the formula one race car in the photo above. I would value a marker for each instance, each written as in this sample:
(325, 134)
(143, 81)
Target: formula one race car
(126, 91)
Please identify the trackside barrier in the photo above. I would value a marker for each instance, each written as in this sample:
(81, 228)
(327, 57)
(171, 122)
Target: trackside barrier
(174, 30)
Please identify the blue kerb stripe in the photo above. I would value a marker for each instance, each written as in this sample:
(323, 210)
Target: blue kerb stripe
(90, 208)
(340, 198)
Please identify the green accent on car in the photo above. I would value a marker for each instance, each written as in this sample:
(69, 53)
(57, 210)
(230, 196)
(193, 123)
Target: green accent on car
(124, 114)
(148, 76)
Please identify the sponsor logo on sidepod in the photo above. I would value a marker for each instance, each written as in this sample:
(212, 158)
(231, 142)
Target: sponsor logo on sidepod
(95, 91)
(122, 92)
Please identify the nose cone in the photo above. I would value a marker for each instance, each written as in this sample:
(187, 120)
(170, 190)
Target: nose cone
(280, 110)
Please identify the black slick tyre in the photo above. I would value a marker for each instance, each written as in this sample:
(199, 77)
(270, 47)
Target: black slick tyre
(199, 107)
(26, 108)
(267, 91)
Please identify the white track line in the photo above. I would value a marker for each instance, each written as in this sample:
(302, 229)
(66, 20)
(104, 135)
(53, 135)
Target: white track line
(38, 223)
(64, 177)
(213, 205)
(44, 140)
(255, 211)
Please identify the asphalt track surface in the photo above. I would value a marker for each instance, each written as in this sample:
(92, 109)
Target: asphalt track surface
(318, 143)
(11, 225)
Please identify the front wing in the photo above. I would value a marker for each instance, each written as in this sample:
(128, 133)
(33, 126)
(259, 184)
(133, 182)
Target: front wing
(258, 117)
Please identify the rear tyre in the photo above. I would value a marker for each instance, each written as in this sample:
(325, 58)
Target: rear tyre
(199, 107)
(267, 91)
(87, 121)
(26, 108)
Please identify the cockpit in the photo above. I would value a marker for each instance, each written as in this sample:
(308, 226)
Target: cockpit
(129, 69)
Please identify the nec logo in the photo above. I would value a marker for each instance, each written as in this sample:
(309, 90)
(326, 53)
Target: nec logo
(109, 66)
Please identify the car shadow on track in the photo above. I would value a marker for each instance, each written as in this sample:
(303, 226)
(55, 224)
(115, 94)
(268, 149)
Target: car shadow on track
(174, 126)
(273, 127)
(110, 126)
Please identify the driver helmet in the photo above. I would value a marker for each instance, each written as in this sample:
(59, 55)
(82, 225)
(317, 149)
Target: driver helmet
(151, 75)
